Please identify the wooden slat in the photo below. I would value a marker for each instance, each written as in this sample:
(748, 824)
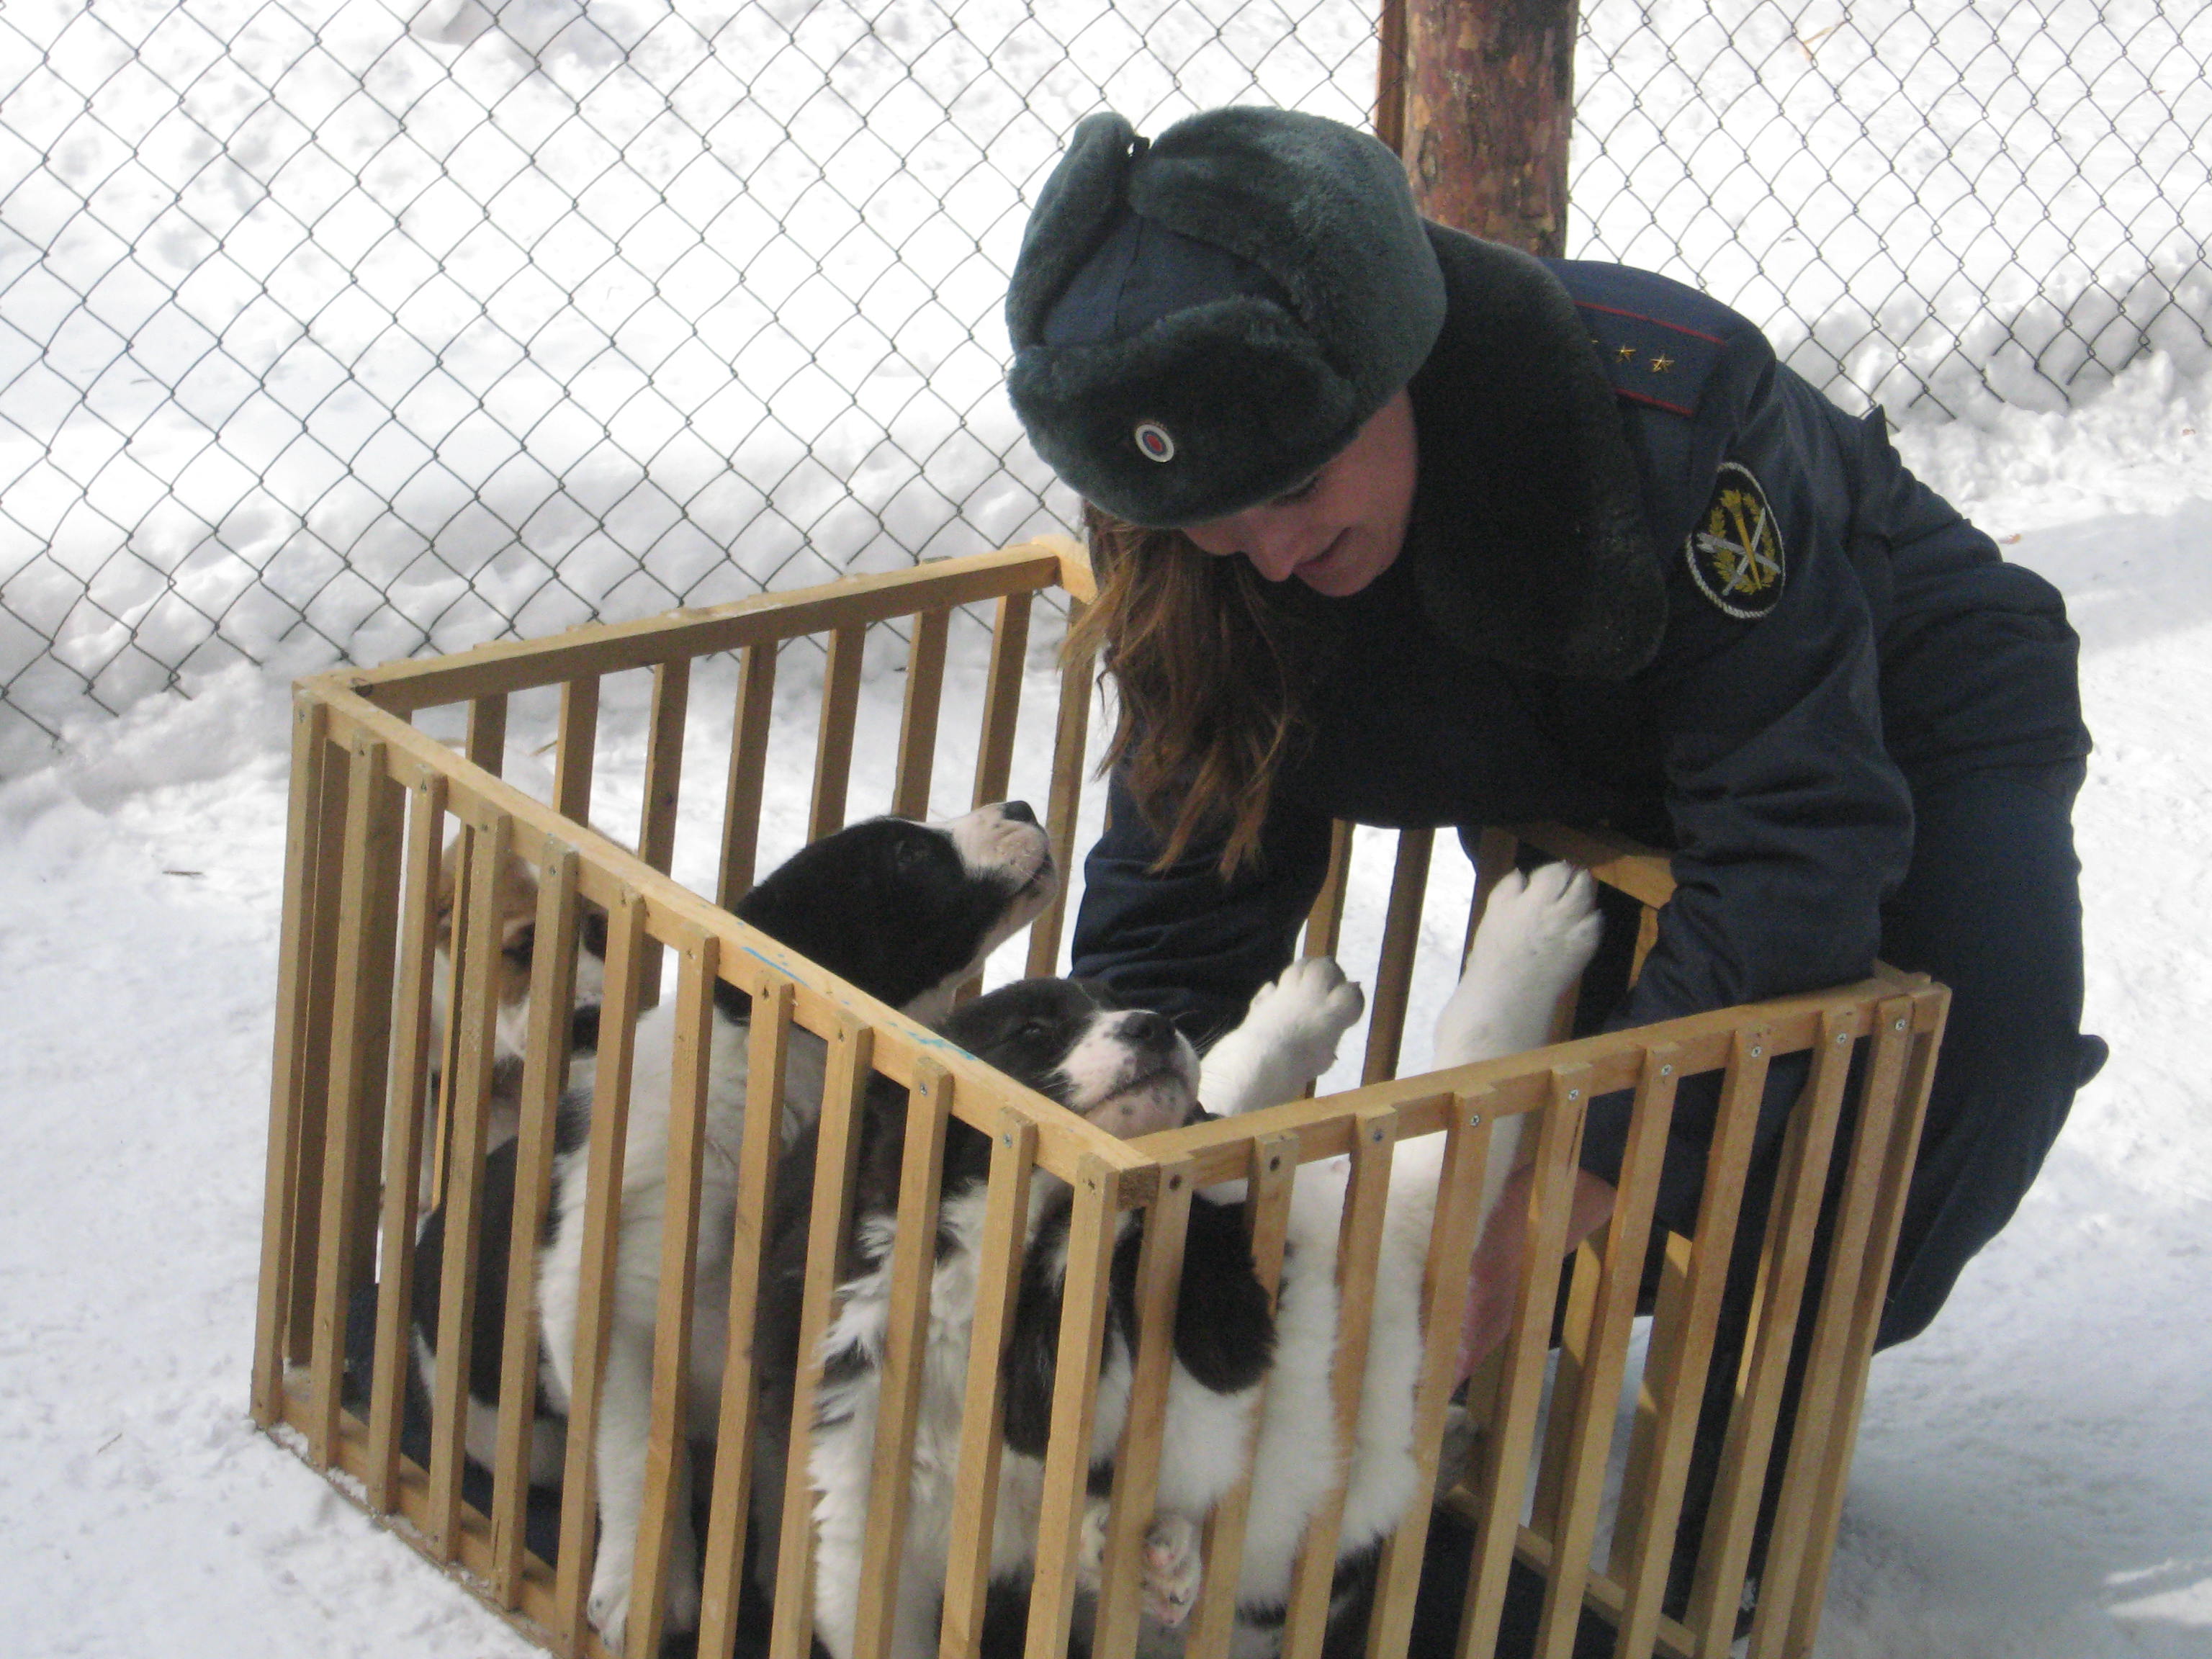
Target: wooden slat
(836, 1156)
(544, 1078)
(297, 1067)
(1681, 1347)
(457, 968)
(1444, 1276)
(833, 750)
(664, 784)
(1325, 921)
(487, 738)
(982, 1441)
(1359, 1249)
(1070, 733)
(1642, 872)
(608, 648)
(360, 1036)
(1724, 1553)
(1828, 1358)
(1271, 1172)
(1573, 1472)
(1137, 1458)
(605, 1150)
(898, 1401)
(319, 1054)
(576, 747)
(1902, 1017)
(667, 1457)
(1002, 698)
(1506, 1444)
(741, 798)
(925, 699)
(402, 1138)
(759, 1162)
(475, 1009)
(1087, 1294)
(1394, 970)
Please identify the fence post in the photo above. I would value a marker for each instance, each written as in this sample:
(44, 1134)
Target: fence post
(1478, 96)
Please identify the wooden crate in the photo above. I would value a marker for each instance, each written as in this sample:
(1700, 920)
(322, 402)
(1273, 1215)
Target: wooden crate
(371, 795)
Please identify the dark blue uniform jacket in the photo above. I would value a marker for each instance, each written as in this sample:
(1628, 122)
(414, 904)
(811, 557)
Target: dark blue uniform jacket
(1550, 646)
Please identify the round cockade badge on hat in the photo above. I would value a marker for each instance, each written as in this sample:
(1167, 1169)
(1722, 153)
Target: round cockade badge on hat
(1736, 553)
(1153, 442)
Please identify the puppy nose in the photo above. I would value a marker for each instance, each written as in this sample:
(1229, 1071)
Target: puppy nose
(1019, 810)
(1153, 1030)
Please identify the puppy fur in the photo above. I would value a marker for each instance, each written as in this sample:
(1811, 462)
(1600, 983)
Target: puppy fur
(905, 912)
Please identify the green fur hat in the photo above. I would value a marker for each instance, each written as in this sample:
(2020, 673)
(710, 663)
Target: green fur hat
(1201, 320)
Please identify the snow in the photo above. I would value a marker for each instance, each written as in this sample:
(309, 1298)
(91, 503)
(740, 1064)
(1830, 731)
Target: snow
(2034, 1478)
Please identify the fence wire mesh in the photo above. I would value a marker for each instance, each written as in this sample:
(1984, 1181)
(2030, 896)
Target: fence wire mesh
(347, 330)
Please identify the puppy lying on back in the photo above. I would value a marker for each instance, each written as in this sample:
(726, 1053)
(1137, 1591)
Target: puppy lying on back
(1129, 1072)
(1125, 1071)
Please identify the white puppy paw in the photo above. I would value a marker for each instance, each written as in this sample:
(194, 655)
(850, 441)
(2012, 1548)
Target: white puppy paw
(610, 1607)
(1172, 1569)
(1169, 1571)
(1302, 1015)
(1537, 935)
(1288, 1038)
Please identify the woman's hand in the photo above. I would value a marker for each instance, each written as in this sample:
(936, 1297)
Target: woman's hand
(1495, 1276)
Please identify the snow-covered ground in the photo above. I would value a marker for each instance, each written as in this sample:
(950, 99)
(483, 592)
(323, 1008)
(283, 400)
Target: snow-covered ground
(2034, 1478)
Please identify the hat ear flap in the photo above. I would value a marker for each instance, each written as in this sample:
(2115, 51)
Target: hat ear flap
(1072, 215)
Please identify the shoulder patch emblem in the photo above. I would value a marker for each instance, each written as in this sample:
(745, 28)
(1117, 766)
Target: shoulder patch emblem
(1735, 552)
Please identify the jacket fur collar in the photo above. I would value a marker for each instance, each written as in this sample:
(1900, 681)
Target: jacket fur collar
(1527, 540)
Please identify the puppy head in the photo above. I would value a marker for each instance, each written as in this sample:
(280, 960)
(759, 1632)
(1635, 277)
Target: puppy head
(1127, 1070)
(517, 900)
(908, 911)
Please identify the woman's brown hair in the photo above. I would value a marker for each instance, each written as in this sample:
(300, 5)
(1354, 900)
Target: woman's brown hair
(1208, 673)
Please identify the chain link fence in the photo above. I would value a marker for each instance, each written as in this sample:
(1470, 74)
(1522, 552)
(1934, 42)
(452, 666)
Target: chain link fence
(336, 329)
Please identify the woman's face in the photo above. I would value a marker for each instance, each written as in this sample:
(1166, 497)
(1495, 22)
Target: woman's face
(1343, 527)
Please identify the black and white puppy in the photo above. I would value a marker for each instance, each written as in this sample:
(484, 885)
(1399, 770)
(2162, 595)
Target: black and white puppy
(903, 911)
(1129, 1071)
(1120, 1069)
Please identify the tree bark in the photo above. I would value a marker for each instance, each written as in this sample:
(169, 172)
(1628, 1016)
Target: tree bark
(1478, 96)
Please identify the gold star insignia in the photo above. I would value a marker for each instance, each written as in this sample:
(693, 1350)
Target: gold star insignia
(1661, 363)
(1626, 354)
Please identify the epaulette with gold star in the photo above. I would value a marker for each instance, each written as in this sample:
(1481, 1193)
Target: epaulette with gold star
(1650, 360)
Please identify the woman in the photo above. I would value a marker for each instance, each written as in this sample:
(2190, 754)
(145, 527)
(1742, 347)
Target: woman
(1396, 525)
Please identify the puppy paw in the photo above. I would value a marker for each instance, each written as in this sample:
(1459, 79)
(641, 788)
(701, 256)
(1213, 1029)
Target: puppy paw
(1171, 1569)
(1537, 935)
(1168, 1570)
(1306, 1011)
(610, 1609)
(1288, 1038)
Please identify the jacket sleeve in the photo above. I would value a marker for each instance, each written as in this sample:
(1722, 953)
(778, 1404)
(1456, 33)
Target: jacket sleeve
(1791, 822)
(1184, 942)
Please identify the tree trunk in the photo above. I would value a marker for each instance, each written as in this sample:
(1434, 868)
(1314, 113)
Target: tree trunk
(1478, 95)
